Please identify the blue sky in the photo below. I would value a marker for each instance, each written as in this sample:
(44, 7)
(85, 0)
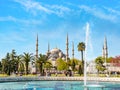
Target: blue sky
(21, 20)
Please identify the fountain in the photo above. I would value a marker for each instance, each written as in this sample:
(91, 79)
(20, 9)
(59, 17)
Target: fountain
(86, 87)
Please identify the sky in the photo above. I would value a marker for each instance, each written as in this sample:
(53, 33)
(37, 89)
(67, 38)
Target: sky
(22, 20)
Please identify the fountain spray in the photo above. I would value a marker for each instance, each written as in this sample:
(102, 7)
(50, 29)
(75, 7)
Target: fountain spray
(85, 58)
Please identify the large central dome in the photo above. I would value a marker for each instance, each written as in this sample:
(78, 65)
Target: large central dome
(55, 53)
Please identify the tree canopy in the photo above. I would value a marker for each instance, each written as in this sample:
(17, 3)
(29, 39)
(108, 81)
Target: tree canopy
(99, 64)
(61, 64)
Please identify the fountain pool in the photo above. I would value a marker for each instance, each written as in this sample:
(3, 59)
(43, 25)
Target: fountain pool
(56, 85)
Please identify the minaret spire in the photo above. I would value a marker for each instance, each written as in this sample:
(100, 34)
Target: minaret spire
(48, 47)
(73, 50)
(103, 53)
(37, 47)
(48, 52)
(67, 43)
(105, 49)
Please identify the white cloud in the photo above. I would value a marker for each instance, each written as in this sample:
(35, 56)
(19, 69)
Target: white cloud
(23, 21)
(11, 37)
(37, 7)
(99, 13)
(115, 12)
(8, 18)
(59, 9)
(31, 5)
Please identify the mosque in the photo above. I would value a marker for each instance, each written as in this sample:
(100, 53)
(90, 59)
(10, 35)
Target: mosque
(56, 53)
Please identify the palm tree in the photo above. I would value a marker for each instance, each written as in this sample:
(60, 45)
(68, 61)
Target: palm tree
(42, 59)
(19, 64)
(27, 58)
(13, 55)
(81, 48)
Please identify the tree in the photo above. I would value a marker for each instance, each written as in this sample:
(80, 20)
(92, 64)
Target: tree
(61, 64)
(42, 59)
(80, 70)
(48, 65)
(81, 48)
(27, 57)
(19, 64)
(6, 64)
(0, 66)
(99, 64)
(74, 62)
(108, 60)
(13, 61)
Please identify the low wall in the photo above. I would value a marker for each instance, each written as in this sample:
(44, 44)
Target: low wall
(21, 78)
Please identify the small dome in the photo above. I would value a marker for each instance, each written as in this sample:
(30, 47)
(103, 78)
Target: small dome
(55, 50)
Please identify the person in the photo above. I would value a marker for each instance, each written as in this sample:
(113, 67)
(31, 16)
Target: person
(65, 73)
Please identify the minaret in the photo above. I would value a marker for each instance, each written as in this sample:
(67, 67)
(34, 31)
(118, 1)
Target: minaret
(73, 50)
(105, 50)
(103, 53)
(67, 54)
(48, 49)
(37, 47)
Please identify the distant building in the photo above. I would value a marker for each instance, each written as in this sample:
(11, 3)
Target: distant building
(54, 54)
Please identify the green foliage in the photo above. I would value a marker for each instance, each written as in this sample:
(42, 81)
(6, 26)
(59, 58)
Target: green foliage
(14, 66)
(20, 64)
(48, 65)
(80, 70)
(6, 64)
(61, 64)
(81, 46)
(0, 66)
(41, 61)
(13, 63)
(21, 68)
(109, 59)
(99, 64)
(73, 64)
(26, 57)
(10, 63)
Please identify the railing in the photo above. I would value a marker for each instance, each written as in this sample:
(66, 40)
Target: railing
(36, 78)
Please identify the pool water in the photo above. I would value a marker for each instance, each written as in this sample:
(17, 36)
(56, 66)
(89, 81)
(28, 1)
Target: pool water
(57, 85)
